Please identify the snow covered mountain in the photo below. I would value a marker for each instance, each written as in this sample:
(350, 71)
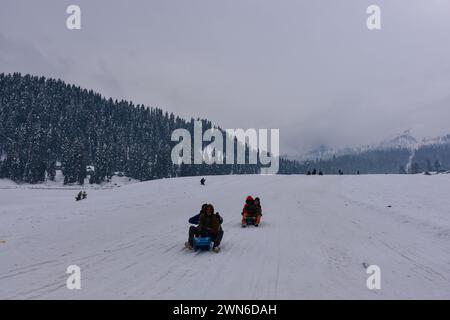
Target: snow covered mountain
(401, 153)
(323, 151)
(436, 140)
(404, 140)
(128, 241)
(401, 141)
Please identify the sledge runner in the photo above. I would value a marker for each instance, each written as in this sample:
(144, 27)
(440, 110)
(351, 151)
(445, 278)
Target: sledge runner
(208, 226)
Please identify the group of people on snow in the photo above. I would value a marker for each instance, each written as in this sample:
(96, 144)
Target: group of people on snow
(314, 172)
(320, 172)
(208, 223)
(252, 209)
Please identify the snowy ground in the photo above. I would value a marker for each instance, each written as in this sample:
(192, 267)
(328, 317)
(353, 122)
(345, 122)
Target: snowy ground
(317, 234)
(115, 182)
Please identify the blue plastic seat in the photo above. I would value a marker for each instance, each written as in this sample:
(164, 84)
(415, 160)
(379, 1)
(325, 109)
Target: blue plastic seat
(203, 243)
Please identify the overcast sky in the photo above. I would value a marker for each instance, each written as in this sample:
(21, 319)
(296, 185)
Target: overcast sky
(310, 68)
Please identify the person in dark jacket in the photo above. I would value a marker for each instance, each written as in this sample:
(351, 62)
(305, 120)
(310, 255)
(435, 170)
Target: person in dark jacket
(202, 181)
(258, 211)
(196, 219)
(208, 226)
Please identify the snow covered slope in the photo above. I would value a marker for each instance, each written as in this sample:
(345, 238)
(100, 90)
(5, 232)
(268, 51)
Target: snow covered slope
(114, 182)
(317, 234)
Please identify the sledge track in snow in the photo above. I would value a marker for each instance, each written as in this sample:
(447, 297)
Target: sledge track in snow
(316, 234)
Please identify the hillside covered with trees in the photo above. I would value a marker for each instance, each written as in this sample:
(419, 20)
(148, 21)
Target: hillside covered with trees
(46, 124)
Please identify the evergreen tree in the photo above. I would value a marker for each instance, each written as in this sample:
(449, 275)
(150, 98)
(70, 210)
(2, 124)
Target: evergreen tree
(437, 166)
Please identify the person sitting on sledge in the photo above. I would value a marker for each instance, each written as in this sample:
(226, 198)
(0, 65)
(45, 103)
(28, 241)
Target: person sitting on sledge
(195, 219)
(258, 209)
(249, 210)
(208, 226)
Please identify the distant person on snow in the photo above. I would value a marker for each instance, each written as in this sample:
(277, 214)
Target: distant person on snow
(251, 209)
(208, 226)
(79, 196)
(202, 181)
(84, 195)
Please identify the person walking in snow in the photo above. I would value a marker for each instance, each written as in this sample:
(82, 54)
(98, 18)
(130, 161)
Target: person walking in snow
(202, 181)
(208, 226)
